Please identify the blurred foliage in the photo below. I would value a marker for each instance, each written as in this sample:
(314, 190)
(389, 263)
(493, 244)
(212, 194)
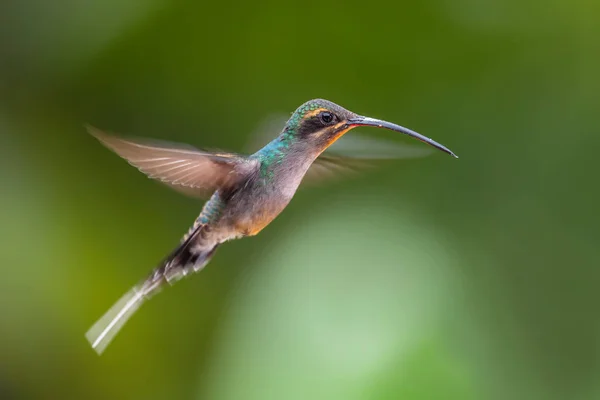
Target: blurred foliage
(474, 278)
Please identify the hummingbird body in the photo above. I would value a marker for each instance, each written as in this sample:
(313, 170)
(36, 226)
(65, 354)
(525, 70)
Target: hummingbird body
(246, 192)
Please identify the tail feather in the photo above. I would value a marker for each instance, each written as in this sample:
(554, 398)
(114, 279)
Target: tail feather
(107, 327)
(183, 261)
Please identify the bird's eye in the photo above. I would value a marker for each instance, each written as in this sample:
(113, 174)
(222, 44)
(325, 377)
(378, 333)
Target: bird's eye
(327, 117)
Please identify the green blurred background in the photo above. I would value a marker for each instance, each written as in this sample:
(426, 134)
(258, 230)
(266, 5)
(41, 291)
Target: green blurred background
(435, 278)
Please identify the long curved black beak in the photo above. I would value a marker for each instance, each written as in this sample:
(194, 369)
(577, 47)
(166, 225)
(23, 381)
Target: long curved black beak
(366, 121)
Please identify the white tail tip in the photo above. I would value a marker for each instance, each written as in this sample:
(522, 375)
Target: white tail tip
(106, 328)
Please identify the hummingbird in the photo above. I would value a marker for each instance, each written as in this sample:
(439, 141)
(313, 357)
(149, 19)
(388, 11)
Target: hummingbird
(245, 192)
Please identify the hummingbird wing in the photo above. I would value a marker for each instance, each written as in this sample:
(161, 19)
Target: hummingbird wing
(353, 153)
(186, 169)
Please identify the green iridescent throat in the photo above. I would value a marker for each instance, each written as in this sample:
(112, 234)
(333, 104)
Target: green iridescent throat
(274, 152)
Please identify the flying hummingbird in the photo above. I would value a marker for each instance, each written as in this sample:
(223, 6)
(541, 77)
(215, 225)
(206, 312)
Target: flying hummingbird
(245, 192)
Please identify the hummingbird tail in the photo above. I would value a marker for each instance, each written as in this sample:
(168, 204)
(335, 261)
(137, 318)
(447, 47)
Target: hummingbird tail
(184, 260)
(107, 327)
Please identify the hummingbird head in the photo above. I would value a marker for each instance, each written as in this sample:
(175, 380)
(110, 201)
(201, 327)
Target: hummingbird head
(321, 122)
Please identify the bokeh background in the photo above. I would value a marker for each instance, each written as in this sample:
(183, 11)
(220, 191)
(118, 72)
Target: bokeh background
(434, 278)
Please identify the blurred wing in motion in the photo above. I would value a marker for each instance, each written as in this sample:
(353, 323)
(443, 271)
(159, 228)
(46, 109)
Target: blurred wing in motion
(267, 129)
(352, 154)
(188, 170)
